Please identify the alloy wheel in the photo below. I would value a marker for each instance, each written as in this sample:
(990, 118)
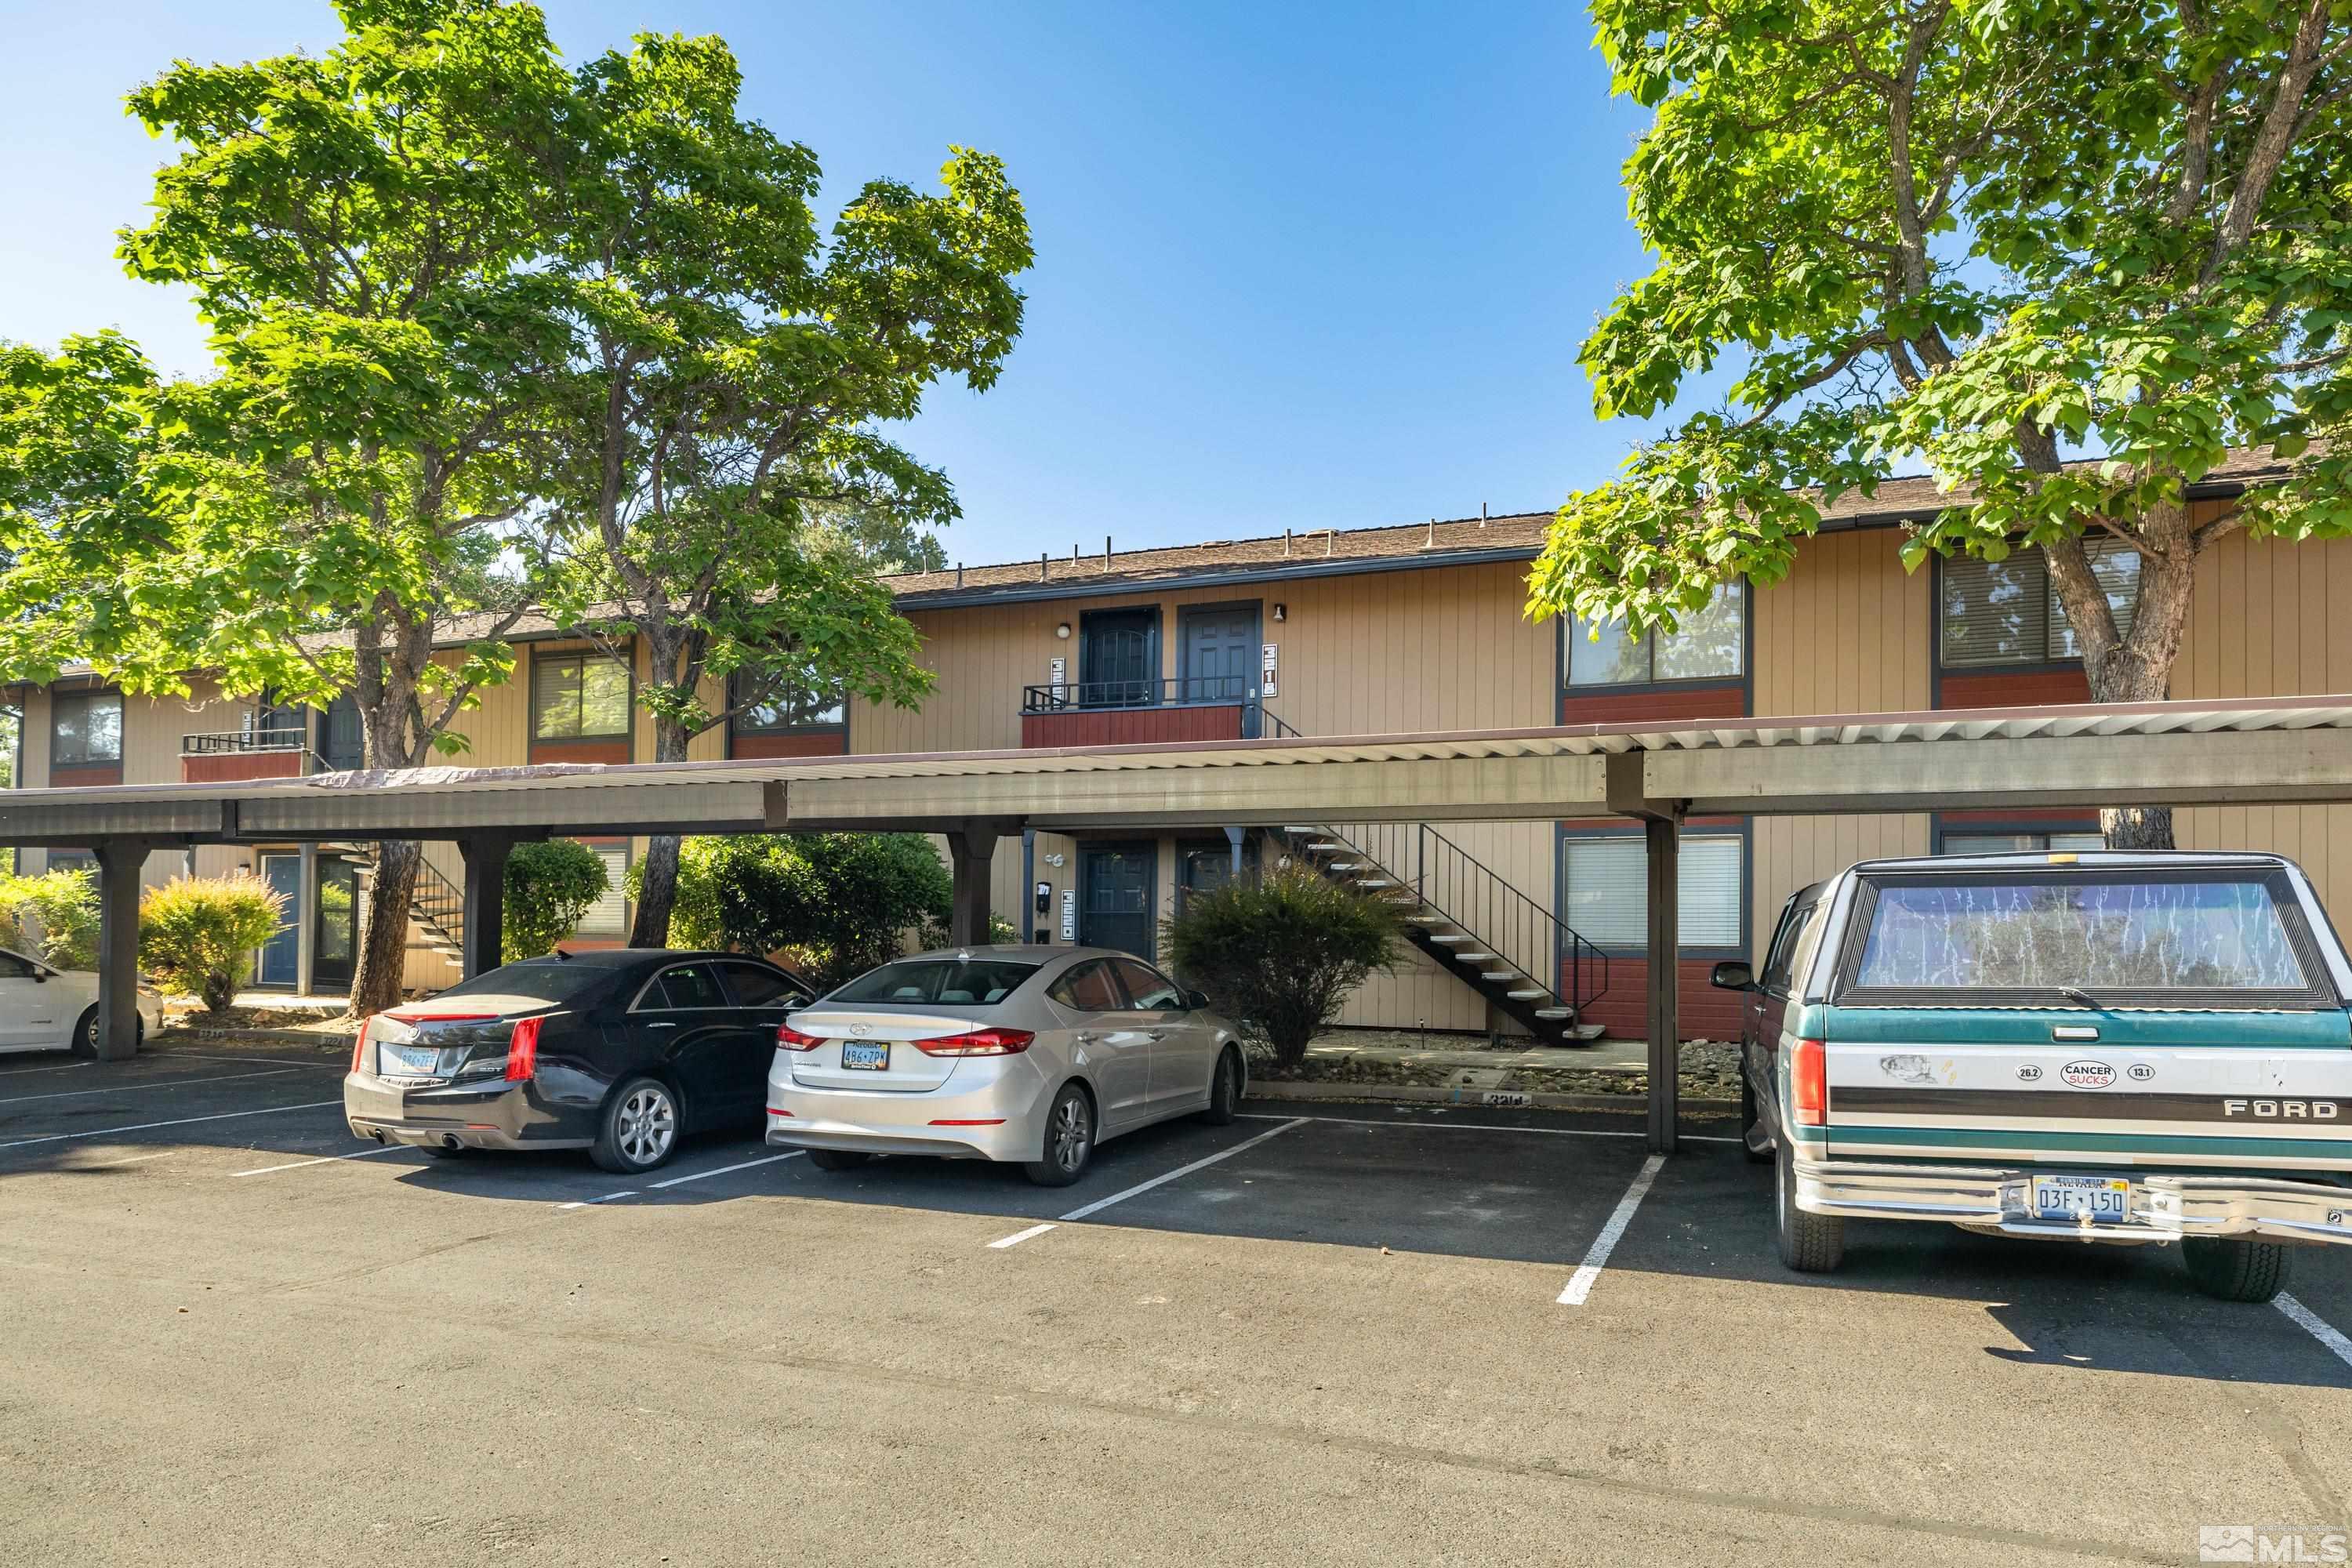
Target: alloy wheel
(648, 1125)
(1071, 1132)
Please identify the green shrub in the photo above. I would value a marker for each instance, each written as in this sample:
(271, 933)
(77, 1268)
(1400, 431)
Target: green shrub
(837, 903)
(550, 888)
(196, 934)
(1279, 953)
(52, 917)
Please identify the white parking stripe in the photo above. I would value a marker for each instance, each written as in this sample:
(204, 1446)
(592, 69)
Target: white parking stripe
(54, 1066)
(724, 1169)
(2318, 1328)
(607, 1198)
(333, 1067)
(1140, 1188)
(129, 1088)
(1579, 1285)
(1492, 1127)
(182, 1122)
(1018, 1236)
(323, 1160)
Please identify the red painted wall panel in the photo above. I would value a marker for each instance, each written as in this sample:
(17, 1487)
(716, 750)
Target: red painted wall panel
(1705, 1012)
(1131, 726)
(87, 773)
(1586, 706)
(615, 751)
(229, 767)
(822, 743)
(2013, 688)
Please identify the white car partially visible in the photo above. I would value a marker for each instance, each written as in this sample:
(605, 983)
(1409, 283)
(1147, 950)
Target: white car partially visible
(46, 1009)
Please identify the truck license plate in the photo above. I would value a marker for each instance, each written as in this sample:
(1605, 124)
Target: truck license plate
(866, 1054)
(2106, 1200)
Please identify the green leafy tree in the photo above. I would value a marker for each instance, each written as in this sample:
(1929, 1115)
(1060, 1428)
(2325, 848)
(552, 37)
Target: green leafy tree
(364, 232)
(52, 917)
(732, 483)
(1280, 951)
(196, 934)
(1978, 238)
(550, 886)
(840, 902)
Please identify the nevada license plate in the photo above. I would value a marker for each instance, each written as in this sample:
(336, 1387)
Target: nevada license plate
(2105, 1199)
(866, 1054)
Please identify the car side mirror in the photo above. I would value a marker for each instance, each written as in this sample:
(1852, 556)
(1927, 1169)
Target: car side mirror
(40, 977)
(1196, 1000)
(1732, 975)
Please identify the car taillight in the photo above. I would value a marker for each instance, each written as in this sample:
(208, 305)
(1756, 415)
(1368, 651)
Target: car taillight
(1809, 1084)
(791, 1039)
(359, 1044)
(978, 1043)
(523, 1050)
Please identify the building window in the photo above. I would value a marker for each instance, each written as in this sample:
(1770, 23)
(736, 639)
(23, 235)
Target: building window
(1710, 645)
(609, 915)
(579, 697)
(2004, 611)
(2061, 841)
(80, 860)
(1605, 893)
(85, 729)
(786, 708)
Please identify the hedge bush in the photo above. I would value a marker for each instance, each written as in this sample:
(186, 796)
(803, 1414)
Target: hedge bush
(196, 934)
(550, 888)
(52, 917)
(1280, 951)
(836, 904)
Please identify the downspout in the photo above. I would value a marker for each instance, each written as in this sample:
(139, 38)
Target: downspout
(1029, 883)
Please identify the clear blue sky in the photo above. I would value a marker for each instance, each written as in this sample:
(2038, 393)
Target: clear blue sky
(1298, 265)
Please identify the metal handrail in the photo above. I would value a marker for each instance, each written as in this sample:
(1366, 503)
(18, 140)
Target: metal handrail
(1490, 910)
(217, 742)
(1175, 690)
(1277, 729)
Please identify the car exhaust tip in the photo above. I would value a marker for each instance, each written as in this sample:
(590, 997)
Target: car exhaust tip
(451, 1141)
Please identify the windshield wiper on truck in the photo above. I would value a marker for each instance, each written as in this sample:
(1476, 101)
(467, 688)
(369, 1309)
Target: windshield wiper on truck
(2076, 994)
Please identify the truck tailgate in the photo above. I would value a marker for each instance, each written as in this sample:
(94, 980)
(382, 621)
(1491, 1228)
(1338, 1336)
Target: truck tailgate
(2181, 1090)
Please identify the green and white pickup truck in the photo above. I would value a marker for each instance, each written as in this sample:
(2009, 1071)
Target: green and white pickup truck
(2119, 1048)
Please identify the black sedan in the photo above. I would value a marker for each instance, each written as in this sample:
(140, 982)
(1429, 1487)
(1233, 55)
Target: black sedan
(620, 1052)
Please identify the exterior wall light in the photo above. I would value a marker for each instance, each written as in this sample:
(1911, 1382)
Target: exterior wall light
(1282, 612)
(1063, 631)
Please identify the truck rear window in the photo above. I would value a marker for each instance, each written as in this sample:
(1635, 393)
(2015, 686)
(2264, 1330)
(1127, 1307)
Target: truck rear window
(2112, 933)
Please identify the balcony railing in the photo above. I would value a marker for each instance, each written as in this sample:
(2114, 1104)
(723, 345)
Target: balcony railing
(1181, 691)
(226, 742)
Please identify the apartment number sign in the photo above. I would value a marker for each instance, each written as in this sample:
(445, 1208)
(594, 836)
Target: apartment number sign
(1266, 671)
(1069, 914)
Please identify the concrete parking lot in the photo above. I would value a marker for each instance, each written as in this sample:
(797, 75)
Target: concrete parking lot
(1328, 1334)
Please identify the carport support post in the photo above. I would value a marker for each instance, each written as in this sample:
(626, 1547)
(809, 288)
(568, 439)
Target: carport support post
(481, 943)
(972, 847)
(1661, 837)
(120, 863)
(1626, 784)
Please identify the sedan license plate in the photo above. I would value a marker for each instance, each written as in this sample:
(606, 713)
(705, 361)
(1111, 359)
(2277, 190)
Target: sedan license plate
(866, 1054)
(422, 1061)
(2104, 1200)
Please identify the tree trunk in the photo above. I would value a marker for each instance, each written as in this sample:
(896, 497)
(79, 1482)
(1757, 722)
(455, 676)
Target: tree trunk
(657, 878)
(384, 946)
(2136, 666)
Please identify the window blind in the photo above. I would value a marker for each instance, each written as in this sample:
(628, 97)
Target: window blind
(1607, 893)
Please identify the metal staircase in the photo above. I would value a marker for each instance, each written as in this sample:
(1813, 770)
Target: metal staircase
(436, 906)
(1472, 922)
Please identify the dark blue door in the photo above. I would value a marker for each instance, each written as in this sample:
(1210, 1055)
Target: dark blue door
(281, 955)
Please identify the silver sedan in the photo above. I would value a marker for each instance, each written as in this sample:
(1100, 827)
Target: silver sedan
(1026, 1054)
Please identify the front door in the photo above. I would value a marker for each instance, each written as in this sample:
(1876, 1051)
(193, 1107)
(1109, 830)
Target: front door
(1118, 660)
(335, 945)
(281, 954)
(1219, 658)
(1115, 897)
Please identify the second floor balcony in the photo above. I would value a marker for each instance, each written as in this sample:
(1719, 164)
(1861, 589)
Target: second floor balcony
(225, 756)
(1141, 712)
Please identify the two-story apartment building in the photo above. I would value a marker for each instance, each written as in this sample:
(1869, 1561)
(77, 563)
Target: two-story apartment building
(1353, 632)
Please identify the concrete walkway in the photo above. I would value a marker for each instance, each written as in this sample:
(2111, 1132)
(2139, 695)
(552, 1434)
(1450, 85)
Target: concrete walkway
(1602, 1056)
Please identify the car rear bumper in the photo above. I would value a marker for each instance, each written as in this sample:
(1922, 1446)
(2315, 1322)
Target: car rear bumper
(1992, 1198)
(497, 1115)
(1002, 1118)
